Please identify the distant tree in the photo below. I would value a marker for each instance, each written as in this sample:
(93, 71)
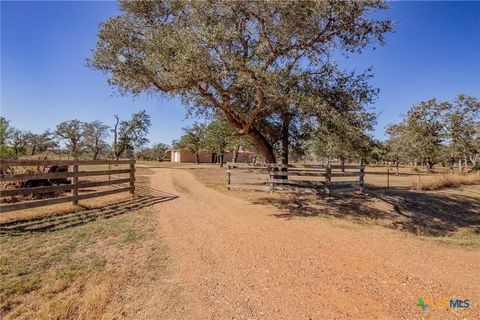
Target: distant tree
(461, 125)
(130, 134)
(425, 130)
(219, 136)
(193, 140)
(18, 141)
(343, 136)
(399, 147)
(249, 60)
(38, 143)
(379, 151)
(72, 132)
(5, 131)
(95, 134)
(155, 153)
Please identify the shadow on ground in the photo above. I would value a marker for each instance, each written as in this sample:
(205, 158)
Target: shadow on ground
(144, 197)
(421, 213)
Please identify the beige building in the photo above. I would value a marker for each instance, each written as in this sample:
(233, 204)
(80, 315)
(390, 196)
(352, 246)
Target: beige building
(207, 157)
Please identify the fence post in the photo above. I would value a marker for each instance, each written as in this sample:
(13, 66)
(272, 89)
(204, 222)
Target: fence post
(388, 175)
(228, 176)
(328, 180)
(132, 177)
(75, 183)
(362, 175)
(271, 171)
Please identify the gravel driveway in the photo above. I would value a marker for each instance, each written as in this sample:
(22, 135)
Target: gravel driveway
(238, 261)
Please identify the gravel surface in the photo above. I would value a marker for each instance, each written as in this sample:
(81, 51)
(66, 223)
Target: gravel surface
(237, 260)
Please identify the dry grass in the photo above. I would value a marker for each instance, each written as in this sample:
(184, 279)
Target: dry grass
(450, 215)
(104, 259)
(447, 181)
(72, 273)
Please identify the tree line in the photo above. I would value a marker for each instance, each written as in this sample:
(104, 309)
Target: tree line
(437, 132)
(78, 139)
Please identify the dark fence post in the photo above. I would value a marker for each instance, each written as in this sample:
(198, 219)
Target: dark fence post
(75, 183)
(228, 176)
(132, 177)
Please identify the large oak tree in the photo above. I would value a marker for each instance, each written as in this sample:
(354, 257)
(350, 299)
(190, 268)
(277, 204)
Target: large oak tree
(254, 61)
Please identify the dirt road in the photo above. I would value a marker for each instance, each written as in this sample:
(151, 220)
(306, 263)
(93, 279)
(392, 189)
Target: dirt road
(238, 261)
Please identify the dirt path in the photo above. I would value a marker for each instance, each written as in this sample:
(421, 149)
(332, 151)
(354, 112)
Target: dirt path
(237, 261)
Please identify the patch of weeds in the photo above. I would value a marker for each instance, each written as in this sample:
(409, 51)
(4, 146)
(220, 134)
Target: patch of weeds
(129, 236)
(20, 287)
(21, 271)
(64, 278)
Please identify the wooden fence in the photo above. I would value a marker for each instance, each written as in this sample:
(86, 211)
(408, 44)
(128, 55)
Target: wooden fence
(74, 185)
(327, 179)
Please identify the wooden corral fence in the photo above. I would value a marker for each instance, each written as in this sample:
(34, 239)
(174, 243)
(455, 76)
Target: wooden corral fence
(327, 179)
(53, 183)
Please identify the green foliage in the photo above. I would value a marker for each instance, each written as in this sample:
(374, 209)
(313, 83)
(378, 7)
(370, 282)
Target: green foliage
(5, 130)
(37, 143)
(130, 135)
(194, 140)
(437, 132)
(72, 132)
(344, 135)
(155, 153)
(252, 61)
(6, 152)
(95, 134)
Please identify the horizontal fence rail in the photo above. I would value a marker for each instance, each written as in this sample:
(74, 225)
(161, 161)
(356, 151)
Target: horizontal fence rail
(296, 178)
(53, 184)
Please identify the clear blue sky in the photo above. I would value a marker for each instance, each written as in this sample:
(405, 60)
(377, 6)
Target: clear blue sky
(434, 52)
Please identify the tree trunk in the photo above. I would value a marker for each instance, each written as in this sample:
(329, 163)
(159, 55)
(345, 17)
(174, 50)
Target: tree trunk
(221, 159)
(285, 137)
(95, 155)
(197, 158)
(429, 165)
(342, 163)
(263, 144)
(396, 166)
(235, 154)
(460, 169)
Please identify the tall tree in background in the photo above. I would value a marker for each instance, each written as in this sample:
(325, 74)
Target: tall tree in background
(425, 128)
(461, 123)
(156, 152)
(37, 143)
(249, 60)
(130, 134)
(95, 134)
(343, 135)
(193, 140)
(19, 142)
(6, 132)
(72, 132)
(219, 136)
(399, 145)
